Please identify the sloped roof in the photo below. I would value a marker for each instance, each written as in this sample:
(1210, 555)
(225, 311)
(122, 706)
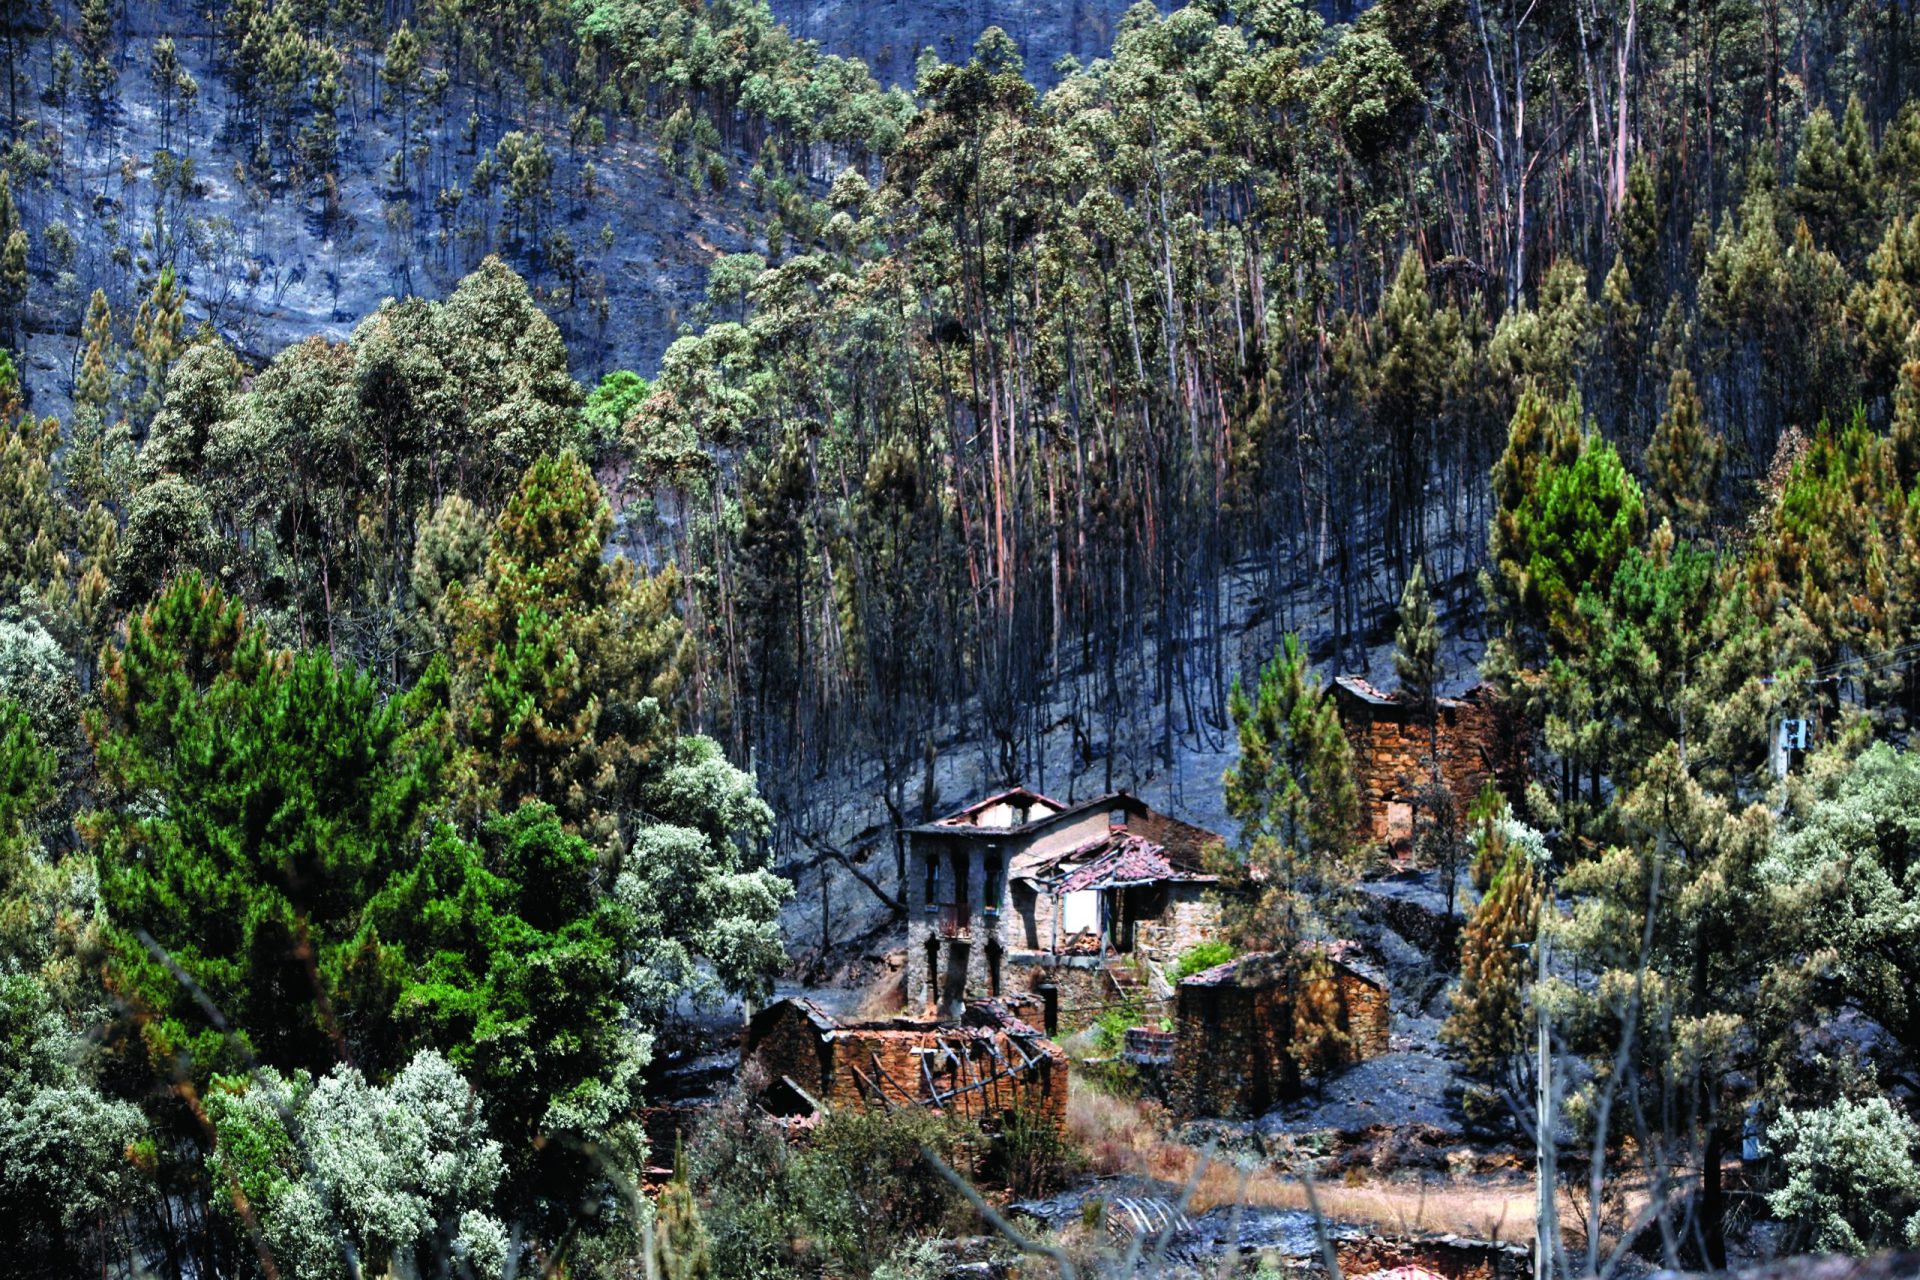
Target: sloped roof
(1015, 796)
(1120, 859)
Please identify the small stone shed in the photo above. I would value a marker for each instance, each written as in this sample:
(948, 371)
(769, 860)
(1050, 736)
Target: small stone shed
(1480, 741)
(987, 1064)
(1234, 1025)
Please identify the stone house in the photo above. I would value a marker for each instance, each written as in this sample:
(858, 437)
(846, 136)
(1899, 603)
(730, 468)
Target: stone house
(987, 1064)
(1234, 1026)
(1480, 741)
(1022, 893)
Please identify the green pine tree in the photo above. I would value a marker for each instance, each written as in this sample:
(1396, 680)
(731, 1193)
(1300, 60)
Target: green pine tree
(13, 283)
(1683, 461)
(1293, 793)
(567, 665)
(1488, 1023)
(1833, 182)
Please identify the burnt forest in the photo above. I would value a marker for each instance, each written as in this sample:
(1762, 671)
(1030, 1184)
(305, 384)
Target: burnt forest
(960, 639)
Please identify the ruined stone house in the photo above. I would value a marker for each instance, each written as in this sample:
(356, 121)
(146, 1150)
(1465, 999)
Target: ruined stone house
(1479, 739)
(1234, 1030)
(987, 1065)
(1020, 893)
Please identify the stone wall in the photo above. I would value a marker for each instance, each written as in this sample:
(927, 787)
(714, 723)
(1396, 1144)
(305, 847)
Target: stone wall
(1081, 990)
(1186, 916)
(1368, 1014)
(1231, 1043)
(955, 935)
(1479, 743)
(845, 1065)
(1230, 1051)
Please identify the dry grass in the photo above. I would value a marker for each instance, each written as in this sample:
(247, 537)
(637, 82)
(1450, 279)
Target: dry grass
(1121, 1135)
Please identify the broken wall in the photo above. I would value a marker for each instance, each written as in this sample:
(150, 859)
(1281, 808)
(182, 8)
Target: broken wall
(864, 1066)
(1231, 1042)
(1479, 743)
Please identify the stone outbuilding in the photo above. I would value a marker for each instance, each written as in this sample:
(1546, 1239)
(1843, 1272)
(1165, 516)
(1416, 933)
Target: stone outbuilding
(988, 1064)
(1234, 1029)
(1020, 893)
(1480, 741)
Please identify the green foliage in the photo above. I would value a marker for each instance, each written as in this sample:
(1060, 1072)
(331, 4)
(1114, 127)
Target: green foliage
(1848, 864)
(253, 802)
(1111, 1027)
(270, 833)
(680, 1247)
(1572, 530)
(504, 956)
(1366, 94)
(864, 1186)
(1488, 1023)
(1416, 645)
(1202, 956)
(611, 402)
(706, 910)
(331, 456)
(1292, 791)
(1031, 1155)
(1543, 438)
(1833, 180)
(66, 1150)
(401, 1174)
(1683, 461)
(26, 779)
(565, 663)
(1318, 1040)
(1851, 1184)
(856, 1194)
(1496, 832)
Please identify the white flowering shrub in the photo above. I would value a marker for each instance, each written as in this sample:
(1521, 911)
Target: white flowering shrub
(36, 673)
(65, 1150)
(1850, 1180)
(707, 916)
(398, 1177)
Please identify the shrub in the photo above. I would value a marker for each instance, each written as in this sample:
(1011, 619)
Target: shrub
(1110, 1029)
(864, 1186)
(1201, 957)
(1851, 1184)
(1032, 1155)
(855, 1194)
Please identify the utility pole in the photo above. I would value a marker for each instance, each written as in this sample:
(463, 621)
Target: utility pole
(1546, 1225)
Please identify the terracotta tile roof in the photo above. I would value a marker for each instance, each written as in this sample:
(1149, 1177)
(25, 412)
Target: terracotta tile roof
(1361, 686)
(1126, 859)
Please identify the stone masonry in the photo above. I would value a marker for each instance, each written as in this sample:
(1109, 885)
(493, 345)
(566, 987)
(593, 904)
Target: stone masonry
(977, 893)
(1480, 741)
(986, 1066)
(1234, 1028)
